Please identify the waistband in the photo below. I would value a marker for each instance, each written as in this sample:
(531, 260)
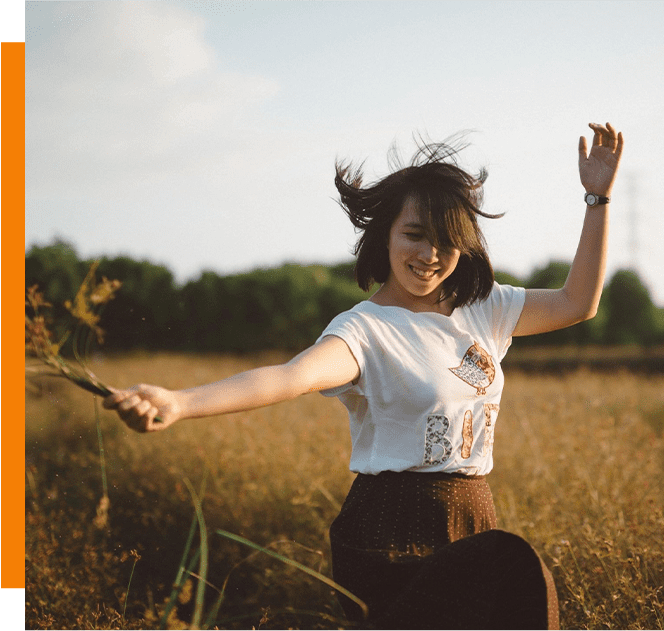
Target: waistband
(425, 475)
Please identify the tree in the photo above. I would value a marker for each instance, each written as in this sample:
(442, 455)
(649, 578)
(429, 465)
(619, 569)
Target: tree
(58, 273)
(504, 278)
(553, 276)
(631, 314)
(55, 267)
(145, 312)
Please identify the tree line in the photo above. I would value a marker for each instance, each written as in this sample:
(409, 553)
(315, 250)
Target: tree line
(286, 307)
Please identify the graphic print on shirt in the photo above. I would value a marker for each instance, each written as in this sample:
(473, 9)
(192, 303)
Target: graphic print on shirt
(467, 434)
(489, 426)
(437, 447)
(476, 369)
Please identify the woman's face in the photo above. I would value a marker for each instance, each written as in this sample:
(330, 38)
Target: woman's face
(416, 266)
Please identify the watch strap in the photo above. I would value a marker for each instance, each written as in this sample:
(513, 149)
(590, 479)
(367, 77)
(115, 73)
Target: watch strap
(592, 199)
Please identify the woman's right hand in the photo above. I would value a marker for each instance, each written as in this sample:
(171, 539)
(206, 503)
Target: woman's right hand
(145, 408)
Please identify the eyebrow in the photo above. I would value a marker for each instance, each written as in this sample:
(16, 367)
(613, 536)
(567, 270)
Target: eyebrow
(413, 225)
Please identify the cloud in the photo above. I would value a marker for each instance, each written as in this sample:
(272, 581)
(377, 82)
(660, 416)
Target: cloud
(127, 92)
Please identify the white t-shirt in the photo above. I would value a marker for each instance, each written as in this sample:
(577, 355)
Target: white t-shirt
(430, 385)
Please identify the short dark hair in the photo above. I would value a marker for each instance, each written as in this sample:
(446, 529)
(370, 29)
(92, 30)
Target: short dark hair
(449, 201)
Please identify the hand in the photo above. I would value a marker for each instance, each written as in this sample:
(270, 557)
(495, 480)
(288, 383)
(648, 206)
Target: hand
(145, 408)
(598, 170)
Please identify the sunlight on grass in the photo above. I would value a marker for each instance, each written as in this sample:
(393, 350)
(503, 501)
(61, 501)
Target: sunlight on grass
(578, 472)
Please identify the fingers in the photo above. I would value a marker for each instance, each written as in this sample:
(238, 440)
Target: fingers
(619, 146)
(598, 167)
(133, 408)
(112, 400)
(612, 138)
(133, 402)
(605, 136)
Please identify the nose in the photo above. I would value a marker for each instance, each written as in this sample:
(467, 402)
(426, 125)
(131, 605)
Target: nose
(428, 253)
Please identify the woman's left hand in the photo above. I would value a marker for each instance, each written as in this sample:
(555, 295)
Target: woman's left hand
(598, 169)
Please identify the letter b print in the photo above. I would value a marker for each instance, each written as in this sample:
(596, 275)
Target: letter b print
(437, 447)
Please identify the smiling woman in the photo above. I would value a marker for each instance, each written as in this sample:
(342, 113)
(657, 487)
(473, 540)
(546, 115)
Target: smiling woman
(418, 368)
(427, 213)
(418, 269)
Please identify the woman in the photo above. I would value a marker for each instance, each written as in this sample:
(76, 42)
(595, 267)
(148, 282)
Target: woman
(417, 367)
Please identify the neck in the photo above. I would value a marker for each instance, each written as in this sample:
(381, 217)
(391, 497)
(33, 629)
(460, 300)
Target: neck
(387, 296)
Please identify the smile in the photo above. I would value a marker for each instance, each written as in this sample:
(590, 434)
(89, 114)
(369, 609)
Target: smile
(423, 274)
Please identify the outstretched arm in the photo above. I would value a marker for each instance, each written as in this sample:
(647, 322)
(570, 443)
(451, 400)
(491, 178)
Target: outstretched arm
(325, 365)
(551, 309)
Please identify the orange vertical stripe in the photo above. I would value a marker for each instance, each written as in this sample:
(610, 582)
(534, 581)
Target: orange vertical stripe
(13, 298)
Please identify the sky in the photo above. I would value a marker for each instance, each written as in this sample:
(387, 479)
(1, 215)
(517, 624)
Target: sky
(203, 135)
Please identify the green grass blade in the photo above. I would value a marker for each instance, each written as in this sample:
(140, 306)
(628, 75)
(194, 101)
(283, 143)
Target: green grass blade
(126, 600)
(299, 566)
(184, 568)
(185, 554)
(102, 456)
(182, 574)
(214, 610)
(202, 569)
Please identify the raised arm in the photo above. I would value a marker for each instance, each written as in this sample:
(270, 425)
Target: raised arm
(324, 365)
(550, 309)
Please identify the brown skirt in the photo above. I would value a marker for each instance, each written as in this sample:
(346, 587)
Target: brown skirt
(422, 551)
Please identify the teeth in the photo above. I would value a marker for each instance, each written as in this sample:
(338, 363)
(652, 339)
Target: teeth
(422, 273)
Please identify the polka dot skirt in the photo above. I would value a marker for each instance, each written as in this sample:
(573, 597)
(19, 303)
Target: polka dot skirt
(422, 551)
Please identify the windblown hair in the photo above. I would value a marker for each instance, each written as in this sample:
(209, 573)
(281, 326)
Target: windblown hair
(449, 202)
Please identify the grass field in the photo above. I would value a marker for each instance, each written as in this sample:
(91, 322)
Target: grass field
(579, 463)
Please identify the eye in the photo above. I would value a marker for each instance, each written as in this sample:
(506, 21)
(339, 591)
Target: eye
(413, 236)
(449, 251)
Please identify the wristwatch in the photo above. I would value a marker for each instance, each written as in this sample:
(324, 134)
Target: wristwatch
(592, 199)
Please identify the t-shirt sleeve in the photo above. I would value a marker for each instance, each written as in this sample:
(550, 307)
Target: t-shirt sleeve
(347, 326)
(505, 305)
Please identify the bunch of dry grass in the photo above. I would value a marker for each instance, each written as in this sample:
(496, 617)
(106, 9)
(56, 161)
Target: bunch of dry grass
(84, 309)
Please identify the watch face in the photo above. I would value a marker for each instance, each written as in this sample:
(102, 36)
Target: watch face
(591, 199)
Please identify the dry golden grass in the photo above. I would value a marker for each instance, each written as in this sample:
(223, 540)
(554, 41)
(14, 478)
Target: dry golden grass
(578, 472)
